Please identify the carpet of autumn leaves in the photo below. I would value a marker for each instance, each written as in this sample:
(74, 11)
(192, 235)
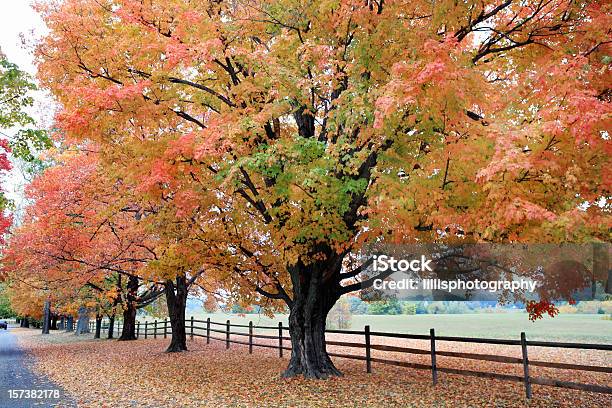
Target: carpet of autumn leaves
(108, 373)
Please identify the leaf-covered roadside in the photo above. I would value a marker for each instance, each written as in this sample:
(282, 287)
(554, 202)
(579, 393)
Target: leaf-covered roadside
(125, 374)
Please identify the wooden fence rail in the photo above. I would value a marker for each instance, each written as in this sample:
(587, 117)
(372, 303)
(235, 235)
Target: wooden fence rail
(225, 333)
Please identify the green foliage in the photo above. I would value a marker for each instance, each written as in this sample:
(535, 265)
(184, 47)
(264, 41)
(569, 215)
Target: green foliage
(5, 305)
(158, 309)
(16, 87)
(394, 307)
(357, 306)
(388, 307)
(239, 309)
(27, 141)
(409, 308)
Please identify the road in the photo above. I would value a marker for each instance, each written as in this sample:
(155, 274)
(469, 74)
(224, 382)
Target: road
(15, 375)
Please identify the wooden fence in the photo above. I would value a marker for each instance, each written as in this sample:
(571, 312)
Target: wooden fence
(223, 332)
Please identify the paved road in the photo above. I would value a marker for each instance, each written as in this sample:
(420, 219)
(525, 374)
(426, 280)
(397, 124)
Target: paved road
(15, 375)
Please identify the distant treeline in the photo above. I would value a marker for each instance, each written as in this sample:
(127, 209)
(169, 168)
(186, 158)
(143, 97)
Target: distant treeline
(395, 307)
(355, 306)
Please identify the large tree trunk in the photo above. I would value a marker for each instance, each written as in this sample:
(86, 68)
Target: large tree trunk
(70, 324)
(46, 317)
(111, 326)
(62, 323)
(313, 298)
(98, 326)
(53, 321)
(176, 298)
(83, 321)
(25, 322)
(129, 312)
(128, 331)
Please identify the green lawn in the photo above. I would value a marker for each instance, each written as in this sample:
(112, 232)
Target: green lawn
(566, 327)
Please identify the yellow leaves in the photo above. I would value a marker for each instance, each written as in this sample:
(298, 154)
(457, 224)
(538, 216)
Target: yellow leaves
(111, 294)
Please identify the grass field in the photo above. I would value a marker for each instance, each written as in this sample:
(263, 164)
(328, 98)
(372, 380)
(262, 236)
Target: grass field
(565, 327)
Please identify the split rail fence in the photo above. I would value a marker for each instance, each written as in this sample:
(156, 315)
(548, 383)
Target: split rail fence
(224, 331)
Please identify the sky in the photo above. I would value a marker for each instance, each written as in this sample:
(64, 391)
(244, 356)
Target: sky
(16, 20)
(19, 22)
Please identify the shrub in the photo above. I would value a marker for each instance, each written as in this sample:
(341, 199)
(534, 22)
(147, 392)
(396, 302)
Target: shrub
(567, 309)
(339, 317)
(356, 305)
(387, 307)
(409, 308)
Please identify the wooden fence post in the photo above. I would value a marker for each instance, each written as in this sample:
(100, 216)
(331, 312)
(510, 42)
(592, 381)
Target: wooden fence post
(227, 334)
(434, 368)
(280, 339)
(250, 337)
(165, 327)
(208, 330)
(155, 329)
(146, 330)
(525, 366)
(367, 349)
(138, 330)
(191, 327)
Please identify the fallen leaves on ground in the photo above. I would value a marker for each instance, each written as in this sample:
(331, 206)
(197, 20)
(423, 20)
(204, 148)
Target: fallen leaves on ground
(110, 373)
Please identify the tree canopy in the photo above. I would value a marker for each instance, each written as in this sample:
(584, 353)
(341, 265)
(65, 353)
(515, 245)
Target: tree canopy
(266, 142)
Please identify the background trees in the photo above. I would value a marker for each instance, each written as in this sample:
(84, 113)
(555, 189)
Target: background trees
(21, 144)
(16, 87)
(272, 140)
(87, 242)
(73, 246)
(5, 305)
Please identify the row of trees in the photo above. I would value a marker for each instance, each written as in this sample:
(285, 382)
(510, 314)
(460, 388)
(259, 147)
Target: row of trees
(393, 306)
(396, 307)
(20, 139)
(249, 150)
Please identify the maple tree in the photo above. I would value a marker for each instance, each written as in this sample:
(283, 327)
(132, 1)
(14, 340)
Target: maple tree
(90, 243)
(294, 133)
(73, 248)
